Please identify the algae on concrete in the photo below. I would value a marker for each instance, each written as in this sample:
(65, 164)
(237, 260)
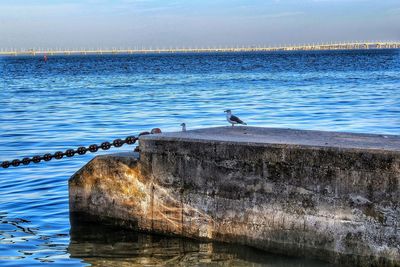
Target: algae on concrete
(332, 196)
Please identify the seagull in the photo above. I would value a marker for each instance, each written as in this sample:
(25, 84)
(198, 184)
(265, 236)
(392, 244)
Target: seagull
(183, 127)
(232, 119)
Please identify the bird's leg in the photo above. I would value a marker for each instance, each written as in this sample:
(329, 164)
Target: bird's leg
(233, 124)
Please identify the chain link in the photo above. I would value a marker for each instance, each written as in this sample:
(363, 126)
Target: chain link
(130, 140)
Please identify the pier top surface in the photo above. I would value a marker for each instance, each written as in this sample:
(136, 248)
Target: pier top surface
(278, 136)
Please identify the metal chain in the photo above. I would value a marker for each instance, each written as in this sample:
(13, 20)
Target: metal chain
(130, 140)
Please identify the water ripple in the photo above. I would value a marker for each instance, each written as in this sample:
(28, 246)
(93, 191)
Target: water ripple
(72, 101)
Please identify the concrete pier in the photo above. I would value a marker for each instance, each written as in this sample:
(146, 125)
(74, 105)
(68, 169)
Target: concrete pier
(327, 195)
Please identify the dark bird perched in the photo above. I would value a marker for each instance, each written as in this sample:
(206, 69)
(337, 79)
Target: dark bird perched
(232, 119)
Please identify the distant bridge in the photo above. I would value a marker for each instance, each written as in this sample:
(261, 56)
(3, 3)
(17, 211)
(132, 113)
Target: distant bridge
(304, 47)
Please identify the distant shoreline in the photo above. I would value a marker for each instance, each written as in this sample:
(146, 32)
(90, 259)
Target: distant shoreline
(311, 47)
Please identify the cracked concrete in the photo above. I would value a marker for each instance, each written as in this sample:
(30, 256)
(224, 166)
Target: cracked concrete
(332, 196)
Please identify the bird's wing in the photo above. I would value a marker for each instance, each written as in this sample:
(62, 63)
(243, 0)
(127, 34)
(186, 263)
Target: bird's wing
(236, 119)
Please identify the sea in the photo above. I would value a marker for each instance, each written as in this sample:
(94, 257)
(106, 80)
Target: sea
(71, 101)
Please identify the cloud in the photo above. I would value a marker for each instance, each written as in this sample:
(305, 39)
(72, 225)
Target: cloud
(342, 1)
(394, 11)
(284, 14)
(35, 10)
(196, 22)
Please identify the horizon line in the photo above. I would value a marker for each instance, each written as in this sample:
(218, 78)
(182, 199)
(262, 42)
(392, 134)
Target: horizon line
(355, 45)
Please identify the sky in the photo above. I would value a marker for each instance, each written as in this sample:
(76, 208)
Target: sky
(55, 24)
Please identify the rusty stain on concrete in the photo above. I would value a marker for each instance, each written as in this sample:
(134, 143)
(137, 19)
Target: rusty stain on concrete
(332, 196)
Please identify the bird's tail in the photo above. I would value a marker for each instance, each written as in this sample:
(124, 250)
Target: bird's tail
(244, 123)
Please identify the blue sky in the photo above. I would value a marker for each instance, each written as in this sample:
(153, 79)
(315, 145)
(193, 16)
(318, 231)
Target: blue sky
(202, 23)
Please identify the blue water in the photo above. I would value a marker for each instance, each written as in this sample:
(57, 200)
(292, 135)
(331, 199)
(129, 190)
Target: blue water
(70, 101)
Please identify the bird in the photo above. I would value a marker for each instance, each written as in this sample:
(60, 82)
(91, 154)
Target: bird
(183, 127)
(232, 119)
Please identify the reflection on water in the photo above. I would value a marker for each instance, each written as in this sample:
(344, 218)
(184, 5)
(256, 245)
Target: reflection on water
(73, 101)
(20, 240)
(105, 245)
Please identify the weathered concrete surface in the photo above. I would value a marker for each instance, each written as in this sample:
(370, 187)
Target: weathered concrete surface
(332, 196)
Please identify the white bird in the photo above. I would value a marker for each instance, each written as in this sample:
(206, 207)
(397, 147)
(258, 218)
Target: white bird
(232, 119)
(183, 127)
